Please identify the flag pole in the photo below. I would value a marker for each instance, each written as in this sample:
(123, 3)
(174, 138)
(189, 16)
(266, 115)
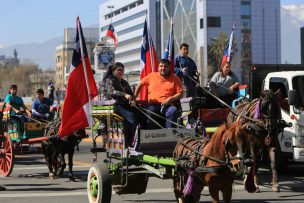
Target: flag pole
(150, 47)
(85, 74)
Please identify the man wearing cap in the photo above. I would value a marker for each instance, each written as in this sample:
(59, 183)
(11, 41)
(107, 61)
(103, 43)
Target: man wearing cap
(41, 106)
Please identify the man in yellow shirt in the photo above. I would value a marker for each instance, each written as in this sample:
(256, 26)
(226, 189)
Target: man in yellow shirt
(164, 92)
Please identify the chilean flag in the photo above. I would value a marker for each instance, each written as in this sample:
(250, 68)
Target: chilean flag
(227, 53)
(148, 59)
(169, 51)
(111, 33)
(81, 83)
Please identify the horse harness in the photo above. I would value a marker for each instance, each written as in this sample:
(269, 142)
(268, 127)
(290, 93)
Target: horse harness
(193, 160)
(256, 124)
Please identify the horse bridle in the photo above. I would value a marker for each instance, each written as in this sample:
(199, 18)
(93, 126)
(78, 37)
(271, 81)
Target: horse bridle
(221, 162)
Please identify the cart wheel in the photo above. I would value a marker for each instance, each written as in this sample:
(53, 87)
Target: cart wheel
(99, 186)
(6, 155)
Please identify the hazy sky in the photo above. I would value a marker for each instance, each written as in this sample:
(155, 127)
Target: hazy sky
(25, 21)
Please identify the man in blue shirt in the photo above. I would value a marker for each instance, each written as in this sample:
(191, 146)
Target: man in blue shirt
(184, 67)
(41, 106)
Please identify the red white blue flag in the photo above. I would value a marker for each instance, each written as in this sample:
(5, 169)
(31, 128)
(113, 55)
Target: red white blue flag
(111, 33)
(81, 83)
(148, 59)
(169, 51)
(227, 52)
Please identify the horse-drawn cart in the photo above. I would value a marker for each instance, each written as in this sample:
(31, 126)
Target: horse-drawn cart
(17, 139)
(125, 170)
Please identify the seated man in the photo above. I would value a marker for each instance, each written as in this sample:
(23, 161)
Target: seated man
(41, 106)
(16, 103)
(164, 92)
(223, 84)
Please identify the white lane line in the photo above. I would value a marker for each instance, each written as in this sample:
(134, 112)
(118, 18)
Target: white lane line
(60, 194)
(53, 194)
(43, 167)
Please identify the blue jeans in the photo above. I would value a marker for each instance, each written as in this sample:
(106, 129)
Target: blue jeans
(130, 122)
(21, 120)
(170, 112)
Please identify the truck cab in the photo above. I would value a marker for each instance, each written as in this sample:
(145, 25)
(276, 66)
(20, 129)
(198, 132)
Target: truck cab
(289, 86)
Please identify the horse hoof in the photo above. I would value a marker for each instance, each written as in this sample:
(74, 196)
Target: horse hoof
(51, 176)
(257, 190)
(275, 188)
(71, 177)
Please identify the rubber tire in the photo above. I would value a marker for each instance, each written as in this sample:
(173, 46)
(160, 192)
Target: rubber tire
(100, 172)
(9, 159)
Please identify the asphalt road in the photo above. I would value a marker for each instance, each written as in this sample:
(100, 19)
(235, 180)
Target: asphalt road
(29, 183)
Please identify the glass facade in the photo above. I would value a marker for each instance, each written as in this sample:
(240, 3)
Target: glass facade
(246, 52)
(183, 13)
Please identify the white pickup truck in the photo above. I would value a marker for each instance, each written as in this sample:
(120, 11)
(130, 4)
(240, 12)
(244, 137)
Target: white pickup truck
(291, 141)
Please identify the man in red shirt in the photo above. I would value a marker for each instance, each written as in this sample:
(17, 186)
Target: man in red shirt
(164, 92)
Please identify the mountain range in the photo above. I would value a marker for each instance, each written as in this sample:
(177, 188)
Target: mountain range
(292, 19)
(42, 54)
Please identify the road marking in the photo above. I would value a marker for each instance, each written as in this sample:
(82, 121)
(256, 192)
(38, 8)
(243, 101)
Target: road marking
(53, 194)
(44, 167)
(151, 191)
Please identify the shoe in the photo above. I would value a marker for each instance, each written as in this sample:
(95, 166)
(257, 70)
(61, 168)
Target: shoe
(133, 152)
(2, 188)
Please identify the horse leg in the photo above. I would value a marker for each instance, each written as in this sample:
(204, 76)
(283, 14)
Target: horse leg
(254, 166)
(70, 155)
(178, 187)
(48, 158)
(227, 191)
(275, 184)
(214, 189)
(62, 164)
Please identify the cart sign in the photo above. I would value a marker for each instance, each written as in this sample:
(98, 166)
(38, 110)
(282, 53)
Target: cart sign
(165, 135)
(104, 55)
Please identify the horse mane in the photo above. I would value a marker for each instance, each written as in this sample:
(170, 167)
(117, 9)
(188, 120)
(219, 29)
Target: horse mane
(217, 148)
(275, 109)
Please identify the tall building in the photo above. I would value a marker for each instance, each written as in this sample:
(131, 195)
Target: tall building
(197, 22)
(64, 52)
(302, 45)
(127, 18)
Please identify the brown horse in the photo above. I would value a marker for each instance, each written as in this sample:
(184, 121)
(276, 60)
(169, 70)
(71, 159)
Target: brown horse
(264, 114)
(214, 163)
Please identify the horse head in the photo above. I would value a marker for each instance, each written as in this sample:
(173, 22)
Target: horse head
(236, 144)
(270, 111)
(234, 141)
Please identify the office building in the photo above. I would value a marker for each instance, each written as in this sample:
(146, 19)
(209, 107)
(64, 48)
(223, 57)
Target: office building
(64, 52)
